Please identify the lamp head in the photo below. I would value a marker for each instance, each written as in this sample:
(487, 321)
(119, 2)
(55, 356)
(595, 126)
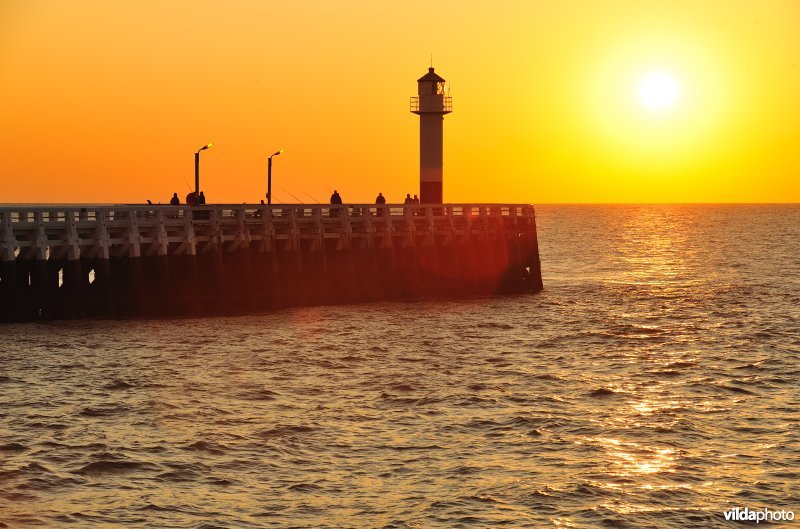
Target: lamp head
(204, 147)
(276, 153)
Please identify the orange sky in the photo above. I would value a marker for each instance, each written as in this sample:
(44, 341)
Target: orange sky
(106, 101)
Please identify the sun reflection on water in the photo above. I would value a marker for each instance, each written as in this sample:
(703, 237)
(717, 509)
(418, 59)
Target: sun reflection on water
(655, 249)
(628, 459)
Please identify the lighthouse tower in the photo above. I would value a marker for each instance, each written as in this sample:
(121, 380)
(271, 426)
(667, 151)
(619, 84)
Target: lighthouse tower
(431, 104)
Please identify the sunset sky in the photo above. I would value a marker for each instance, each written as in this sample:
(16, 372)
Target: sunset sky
(106, 101)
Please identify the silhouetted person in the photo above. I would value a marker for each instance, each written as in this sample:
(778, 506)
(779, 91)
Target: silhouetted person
(258, 211)
(202, 198)
(190, 199)
(380, 200)
(336, 199)
(415, 200)
(408, 199)
(174, 201)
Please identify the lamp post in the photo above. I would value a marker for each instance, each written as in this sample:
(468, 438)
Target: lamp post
(269, 176)
(197, 169)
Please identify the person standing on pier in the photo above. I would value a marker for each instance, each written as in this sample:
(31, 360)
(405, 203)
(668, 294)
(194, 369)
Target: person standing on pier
(408, 199)
(201, 200)
(174, 201)
(336, 200)
(380, 200)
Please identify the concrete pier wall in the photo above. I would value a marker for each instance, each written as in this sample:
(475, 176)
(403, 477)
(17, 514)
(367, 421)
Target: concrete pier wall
(161, 261)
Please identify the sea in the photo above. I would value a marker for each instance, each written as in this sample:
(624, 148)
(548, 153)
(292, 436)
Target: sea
(654, 383)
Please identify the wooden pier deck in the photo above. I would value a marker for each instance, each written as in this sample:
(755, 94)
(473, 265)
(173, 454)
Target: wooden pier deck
(131, 260)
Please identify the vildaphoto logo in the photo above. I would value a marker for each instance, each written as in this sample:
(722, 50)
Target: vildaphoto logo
(764, 515)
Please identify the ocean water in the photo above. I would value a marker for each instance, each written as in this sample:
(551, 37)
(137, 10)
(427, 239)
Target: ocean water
(654, 383)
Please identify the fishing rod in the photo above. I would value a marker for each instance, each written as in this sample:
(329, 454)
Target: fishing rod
(289, 192)
(184, 179)
(312, 198)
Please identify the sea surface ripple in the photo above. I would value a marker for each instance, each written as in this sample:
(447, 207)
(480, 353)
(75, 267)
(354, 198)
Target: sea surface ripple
(654, 383)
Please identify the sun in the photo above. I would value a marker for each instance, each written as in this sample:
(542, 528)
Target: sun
(658, 91)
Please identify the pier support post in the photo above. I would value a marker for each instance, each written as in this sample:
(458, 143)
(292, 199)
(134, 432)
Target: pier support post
(161, 302)
(105, 287)
(39, 284)
(24, 299)
(219, 284)
(8, 290)
(238, 275)
(137, 287)
(448, 272)
(273, 279)
(54, 302)
(75, 288)
(192, 303)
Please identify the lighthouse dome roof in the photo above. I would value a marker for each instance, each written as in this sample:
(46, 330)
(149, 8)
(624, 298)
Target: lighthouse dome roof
(431, 76)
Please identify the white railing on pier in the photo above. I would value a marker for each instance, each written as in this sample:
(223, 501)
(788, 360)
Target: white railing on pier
(133, 230)
(49, 214)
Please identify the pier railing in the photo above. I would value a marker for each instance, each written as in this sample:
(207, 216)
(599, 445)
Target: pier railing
(135, 230)
(56, 213)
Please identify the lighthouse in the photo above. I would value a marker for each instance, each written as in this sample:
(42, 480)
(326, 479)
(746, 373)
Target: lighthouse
(430, 104)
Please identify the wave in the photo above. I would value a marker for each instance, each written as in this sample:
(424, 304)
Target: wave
(305, 487)
(604, 393)
(207, 446)
(680, 363)
(665, 373)
(481, 498)
(735, 389)
(258, 394)
(357, 359)
(405, 448)
(158, 508)
(752, 365)
(176, 476)
(115, 467)
(283, 431)
(493, 325)
(550, 376)
(220, 482)
(48, 425)
(13, 447)
(399, 386)
(103, 411)
(118, 384)
(526, 421)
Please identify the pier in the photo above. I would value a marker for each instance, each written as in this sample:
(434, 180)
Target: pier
(162, 261)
